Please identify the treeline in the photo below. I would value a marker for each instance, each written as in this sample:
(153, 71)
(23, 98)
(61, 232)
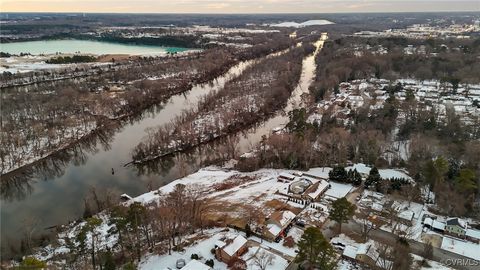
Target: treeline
(455, 185)
(349, 58)
(71, 59)
(137, 228)
(185, 41)
(258, 92)
(38, 120)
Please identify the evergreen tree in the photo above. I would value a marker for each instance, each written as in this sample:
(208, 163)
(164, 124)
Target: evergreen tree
(210, 263)
(338, 173)
(314, 251)
(373, 178)
(109, 262)
(356, 178)
(466, 181)
(248, 230)
(342, 210)
(434, 171)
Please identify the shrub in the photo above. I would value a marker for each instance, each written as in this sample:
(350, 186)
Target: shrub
(236, 263)
(210, 262)
(194, 256)
(289, 242)
(32, 263)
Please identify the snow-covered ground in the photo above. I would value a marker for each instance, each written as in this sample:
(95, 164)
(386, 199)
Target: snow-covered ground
(384, 173)
(210, 238)
(431, 264)
(465, 248)
(276, 263)
(303, 24)
(202, 248)
(235, 192)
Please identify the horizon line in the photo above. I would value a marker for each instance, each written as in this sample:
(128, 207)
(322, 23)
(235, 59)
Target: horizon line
(234, 13)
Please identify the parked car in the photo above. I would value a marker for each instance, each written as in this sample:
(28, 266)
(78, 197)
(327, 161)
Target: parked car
(300, 223)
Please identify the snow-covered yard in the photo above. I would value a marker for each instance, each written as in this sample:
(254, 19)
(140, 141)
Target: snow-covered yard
(256, 249)
(202, 248)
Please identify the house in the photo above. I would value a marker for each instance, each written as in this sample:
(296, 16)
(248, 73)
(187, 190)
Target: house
(434, 225)
(367, 254)
(350, 253)
(315, 191)
(300, 186)
(473, 235)
(196, 265)
(230, 248)
(277, 223)
(456, 227)
(285, 177)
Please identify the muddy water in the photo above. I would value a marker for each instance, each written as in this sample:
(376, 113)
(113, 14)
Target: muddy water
(53, 193)
(253, 136)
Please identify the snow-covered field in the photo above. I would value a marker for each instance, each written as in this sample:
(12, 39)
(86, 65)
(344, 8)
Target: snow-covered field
(302, 24)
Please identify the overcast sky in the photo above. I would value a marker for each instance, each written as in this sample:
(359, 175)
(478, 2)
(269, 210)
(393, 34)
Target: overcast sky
(237, 6)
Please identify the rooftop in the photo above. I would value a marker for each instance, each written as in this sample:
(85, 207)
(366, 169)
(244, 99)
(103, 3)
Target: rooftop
(196, 265)
(235, 245)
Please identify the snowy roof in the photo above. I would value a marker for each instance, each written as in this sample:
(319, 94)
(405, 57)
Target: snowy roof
(473, 233)
(286, 175)
(234, 246)
(338, 190)
(196, 265)
(377, 206)
(350, 252)
(363, 249)
(465, 248)
(274, 229)
(283, 217)
(457, 221)
(322, 185)
(434, 224)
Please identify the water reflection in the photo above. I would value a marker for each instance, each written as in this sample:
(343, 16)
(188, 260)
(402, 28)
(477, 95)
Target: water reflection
(51, 191)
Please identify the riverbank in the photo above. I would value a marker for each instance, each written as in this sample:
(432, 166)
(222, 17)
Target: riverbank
(177, 81)
(107, 122)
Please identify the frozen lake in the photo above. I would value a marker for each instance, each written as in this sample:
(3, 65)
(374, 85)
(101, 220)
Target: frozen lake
(70, 46)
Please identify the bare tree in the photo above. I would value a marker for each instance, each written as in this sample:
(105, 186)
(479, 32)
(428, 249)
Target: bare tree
(262, 259)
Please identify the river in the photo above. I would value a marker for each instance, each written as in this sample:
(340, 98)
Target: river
(54, 193)
(70, 46)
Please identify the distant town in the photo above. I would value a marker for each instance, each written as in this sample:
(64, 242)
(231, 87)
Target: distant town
(275, 141)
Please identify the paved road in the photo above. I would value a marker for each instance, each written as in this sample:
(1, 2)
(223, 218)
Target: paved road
(439, 255)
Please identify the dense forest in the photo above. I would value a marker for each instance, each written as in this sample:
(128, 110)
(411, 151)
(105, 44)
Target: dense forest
(259, 91)
(350, 58)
